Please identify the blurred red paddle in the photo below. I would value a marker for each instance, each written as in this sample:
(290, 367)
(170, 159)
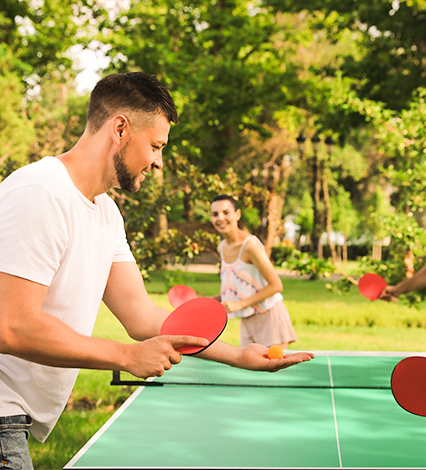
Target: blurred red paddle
(371, 286)
(179, 294)
(201, 317)
(408, 384)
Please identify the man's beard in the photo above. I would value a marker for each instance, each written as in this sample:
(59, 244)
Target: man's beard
(125, 179)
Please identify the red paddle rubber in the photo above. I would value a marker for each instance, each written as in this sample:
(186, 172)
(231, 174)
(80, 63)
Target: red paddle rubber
(179, 294)
(371, 286)
(201, 317)
(408, 384)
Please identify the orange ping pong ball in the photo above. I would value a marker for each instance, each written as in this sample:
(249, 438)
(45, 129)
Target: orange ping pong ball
(275, 352)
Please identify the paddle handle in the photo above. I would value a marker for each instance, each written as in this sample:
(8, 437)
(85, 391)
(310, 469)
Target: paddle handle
(349, 278)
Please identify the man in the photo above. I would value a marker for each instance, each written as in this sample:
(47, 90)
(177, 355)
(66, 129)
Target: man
(63, 249)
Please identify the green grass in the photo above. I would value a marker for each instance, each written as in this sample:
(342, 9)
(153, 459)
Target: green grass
(322, 320)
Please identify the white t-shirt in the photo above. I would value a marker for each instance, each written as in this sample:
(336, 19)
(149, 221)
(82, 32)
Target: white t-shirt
(53, 235)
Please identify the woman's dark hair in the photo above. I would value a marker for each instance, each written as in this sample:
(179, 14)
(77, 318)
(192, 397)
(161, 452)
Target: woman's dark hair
(225, 197)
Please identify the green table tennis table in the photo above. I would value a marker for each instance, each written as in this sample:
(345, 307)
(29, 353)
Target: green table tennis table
(336, 411)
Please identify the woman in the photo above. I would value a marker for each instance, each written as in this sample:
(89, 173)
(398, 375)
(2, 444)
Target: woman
(250, 287)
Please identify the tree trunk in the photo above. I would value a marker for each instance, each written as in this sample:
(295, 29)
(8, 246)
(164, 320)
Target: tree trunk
(161, 224)
(279, 181)
(316, 200)
(273, 217)
(345, 249)
(328, 216)
(187, 206)
(339, 253)
(377, 250)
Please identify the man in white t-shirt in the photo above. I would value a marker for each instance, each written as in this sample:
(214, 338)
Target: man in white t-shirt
(63, 249)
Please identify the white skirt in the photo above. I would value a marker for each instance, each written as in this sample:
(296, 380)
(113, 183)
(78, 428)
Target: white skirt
(271, 327)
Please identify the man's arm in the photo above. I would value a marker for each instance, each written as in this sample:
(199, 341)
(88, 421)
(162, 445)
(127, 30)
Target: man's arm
(26, 331)
(127, 298)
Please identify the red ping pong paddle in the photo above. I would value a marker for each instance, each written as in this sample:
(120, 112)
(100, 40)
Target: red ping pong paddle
(179, 294)
(201, 317)
(408, 384)
(371, 286)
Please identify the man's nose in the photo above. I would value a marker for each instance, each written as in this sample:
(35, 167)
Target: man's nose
(157, 163)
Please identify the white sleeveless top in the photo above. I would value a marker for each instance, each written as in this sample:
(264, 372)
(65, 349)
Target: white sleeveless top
(240, 280)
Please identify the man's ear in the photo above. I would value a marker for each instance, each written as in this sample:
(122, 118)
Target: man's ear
(119, 129)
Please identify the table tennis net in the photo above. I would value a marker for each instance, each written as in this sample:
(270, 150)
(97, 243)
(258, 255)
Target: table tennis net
(327, 370)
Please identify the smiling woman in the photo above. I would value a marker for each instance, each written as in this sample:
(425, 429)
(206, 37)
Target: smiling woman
(250, 287)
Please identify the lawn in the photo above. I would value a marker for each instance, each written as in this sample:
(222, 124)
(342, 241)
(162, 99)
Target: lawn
(322, 320)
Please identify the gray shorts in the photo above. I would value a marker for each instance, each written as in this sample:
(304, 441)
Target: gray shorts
(14, 434)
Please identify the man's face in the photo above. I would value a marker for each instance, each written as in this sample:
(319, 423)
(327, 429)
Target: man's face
(141, 153)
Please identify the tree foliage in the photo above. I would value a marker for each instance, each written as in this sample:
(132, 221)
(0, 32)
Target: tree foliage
(248, 78)
(389, 36)
(227, 63)
(16, 131)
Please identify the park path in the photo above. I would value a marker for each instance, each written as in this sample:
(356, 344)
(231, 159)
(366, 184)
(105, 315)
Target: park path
(214, 269)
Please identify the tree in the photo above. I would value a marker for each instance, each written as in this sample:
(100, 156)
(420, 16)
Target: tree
(221, 62)
(40, 35)
(228, 71)
(58, 116)
(16, 131)
(390, 63)
(38, 113)
(345, 218)
(304, 217)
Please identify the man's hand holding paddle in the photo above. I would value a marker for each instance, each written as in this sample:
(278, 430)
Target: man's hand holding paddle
(152, 357)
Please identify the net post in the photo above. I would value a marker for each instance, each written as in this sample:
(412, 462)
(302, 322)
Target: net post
(115, 378)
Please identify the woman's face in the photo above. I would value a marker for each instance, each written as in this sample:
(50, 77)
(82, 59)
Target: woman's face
(224, 217)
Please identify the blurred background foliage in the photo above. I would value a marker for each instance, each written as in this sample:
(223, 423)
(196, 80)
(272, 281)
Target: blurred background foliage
(251, 80)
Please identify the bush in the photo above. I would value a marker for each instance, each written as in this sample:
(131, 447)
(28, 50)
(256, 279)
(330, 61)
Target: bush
(310, 265)
(281, 253)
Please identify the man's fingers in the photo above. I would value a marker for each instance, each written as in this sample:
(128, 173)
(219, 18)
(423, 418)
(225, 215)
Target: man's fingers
(175, 358)
(178, 341)
(297, 358)
(291, 360)
(304, 356)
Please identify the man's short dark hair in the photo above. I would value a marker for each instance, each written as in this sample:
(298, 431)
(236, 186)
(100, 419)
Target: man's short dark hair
(225, 197)
(132, 92)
